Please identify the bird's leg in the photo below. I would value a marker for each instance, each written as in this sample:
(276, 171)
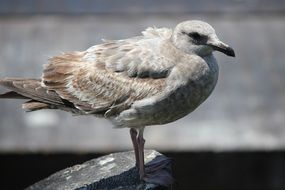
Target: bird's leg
(134, 137)
(141, 143)
(157, 171)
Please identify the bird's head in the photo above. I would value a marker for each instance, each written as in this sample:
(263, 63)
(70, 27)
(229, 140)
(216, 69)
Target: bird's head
(200, 38)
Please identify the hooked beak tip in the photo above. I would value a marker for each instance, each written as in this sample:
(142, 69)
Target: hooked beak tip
(230, 52)
(223, 48)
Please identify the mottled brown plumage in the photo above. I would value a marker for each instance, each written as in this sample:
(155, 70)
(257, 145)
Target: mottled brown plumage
(155, 78)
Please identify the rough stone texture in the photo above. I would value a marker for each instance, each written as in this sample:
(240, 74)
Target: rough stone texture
(114, 171)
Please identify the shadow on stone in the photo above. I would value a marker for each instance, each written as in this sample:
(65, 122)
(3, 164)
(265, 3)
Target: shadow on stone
(114, 171)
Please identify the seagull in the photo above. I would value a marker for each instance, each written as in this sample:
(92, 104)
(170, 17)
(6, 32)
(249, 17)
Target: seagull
(151, 79)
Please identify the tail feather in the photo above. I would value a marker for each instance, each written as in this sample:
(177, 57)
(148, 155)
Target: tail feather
(32, 89)
(39, 96)
(12, 95)
(34, 106)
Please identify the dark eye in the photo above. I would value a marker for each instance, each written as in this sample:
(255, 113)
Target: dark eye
(195, 35)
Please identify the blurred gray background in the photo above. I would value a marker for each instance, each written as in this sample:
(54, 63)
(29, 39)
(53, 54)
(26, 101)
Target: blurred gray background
(245, 112)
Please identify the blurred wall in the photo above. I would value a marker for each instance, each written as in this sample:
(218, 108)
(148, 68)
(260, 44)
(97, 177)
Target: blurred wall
(245, 112)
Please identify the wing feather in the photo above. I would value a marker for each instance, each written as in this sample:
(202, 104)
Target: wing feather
(108, 78)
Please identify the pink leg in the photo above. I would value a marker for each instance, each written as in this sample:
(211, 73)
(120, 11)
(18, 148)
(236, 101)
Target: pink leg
(141, 143)
(157, 171)
(134, 137)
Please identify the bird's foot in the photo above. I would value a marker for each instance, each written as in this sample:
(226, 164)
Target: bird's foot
(158, 171)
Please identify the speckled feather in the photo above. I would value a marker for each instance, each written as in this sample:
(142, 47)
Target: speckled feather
(135, 82)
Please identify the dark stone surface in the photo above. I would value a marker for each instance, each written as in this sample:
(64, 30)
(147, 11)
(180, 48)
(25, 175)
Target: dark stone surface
(113, 171)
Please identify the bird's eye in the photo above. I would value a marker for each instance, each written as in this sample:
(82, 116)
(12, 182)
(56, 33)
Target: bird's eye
(195, 35)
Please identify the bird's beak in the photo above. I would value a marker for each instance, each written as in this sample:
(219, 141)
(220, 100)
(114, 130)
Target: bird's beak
(222, 47)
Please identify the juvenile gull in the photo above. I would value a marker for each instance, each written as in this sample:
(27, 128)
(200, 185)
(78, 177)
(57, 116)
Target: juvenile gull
(152, 79)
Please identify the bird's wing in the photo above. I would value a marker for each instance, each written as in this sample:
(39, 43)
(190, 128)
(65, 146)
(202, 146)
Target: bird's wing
(139, 56)
(108, 78)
